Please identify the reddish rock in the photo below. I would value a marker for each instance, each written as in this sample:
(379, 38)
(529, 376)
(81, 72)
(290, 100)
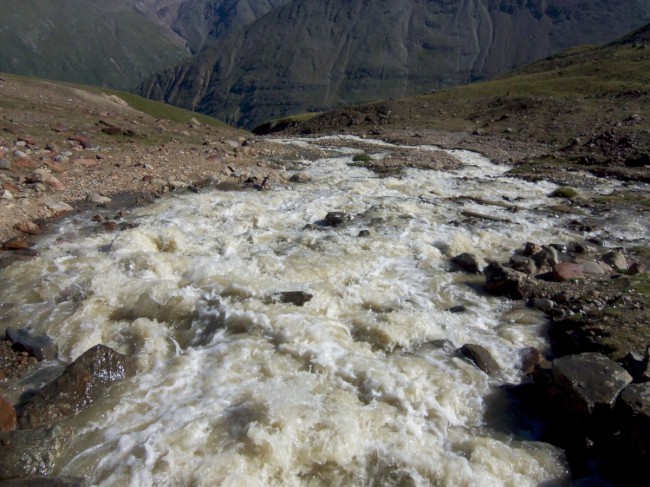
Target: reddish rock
(7, 416)
(27, 140)
(86, 162)
(55, 184)
(27, 164)
(566, 271)
(30, 228)
(15, 243)
(15, 189)
(109, 226)
(55, 166)
(85, 142)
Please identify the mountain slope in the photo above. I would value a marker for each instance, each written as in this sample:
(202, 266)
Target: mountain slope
(90, 41)
(310, 55)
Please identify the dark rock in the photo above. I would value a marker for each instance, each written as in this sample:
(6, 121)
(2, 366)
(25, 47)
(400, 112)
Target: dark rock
(523, 264)
(531, 248)
(529, 359)
(26, 453)
(297, 298)
(15, 243)
(7, 416)
(587, 381)
(634, 410)
(42, 347)
(336, 218)
(30, 228)
(469, 262)
(457, 309)
(364, 233)
(45, 482)
(567, 271)
(480, 357)
(501, 281)
(300, 177)
(616, 260)
(83, 381)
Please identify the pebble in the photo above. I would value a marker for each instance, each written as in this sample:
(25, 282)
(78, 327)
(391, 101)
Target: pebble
(21, 155)
(30, 228)
(97, 198)
(5, 163)
(6, 195)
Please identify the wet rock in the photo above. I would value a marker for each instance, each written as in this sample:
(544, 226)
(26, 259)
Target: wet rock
(469, 262)
(109, 226)
(297, 298)
(529, 359)
(502, 281)
(82, 382)
(300, 177)
(336, 218)
(15, 243)
(97, 198)
(30, 228)
(45, 482)
(7, 416)
(480, 357)
(567, 271)
(457, 309)
(616, 260)
(42, 347)
(25, 453)
(587, 381)
(364, 234)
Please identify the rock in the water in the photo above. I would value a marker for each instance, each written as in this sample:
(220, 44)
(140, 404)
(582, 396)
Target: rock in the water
(480, 357)
(542, 304)
(634, 407)
(546, 256)
(30, 228)
(458, 309)
(523, 264)
(531, 248)
(567, 271)
(469, 262)
(45, 482)
(297, 298)
(501, 281)
(41, 347)
(97, 198)
(616, 260)
(7, 416)
(529, 358)
(82, 382)
(31, 452)
(336, 218)
(588, 380)
(15, 243)
(300, 177)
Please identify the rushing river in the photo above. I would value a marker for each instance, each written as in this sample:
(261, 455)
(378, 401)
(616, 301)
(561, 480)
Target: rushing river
(360, 386)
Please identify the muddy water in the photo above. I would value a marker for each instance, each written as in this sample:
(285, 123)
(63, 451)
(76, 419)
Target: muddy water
(360, 386)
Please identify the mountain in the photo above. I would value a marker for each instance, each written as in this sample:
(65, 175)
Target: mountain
(311, 55)
(90, 41)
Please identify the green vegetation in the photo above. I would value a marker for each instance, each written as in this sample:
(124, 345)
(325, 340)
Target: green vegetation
(564, 192)
(362, 157)
(624, 198)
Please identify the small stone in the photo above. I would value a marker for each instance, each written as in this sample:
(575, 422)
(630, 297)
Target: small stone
(54, 183)
(567, 271)
(458, 309)
(30, 228)
(97, 198)
(59, 207)
(5, 163)
(531, 248)
(21, 155)
(542, 304)
(7, 416)
(297, 298)
(109, 226)
(616, 260)
(15, 243)
(363, 234)
(336, 218)
(5, 194)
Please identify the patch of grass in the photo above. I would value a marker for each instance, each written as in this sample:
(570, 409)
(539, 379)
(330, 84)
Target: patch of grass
(362, 157)
(564, 192)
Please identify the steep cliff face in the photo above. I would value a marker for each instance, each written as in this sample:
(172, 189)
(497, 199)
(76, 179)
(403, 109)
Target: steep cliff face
(85, 41)
(311, 55)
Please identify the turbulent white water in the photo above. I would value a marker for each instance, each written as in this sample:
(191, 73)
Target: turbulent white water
(236, 389)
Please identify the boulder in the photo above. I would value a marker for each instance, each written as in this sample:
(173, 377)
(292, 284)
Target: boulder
(634, 411)
(336, 218)
(481, 358)
(502, 281)
(616, 260)
(587, 381)
(82, 382)
(15, 243)
(567, 271)
(42, 347)
(26, 453)
(547, 256)
(469, 262)
(7, 416)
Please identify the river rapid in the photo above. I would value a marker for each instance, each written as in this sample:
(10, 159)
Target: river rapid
(360, 386)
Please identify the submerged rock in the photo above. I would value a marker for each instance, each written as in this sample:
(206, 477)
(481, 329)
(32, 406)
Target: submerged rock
(336, 218)
(45, 482)
(297, 298)
(42, 347)
(82, 382)
(502, 281)
(25, 453)
(480, 357)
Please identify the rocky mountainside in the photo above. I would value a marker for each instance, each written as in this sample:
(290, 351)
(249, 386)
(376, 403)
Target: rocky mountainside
(90, 41)
(309, 55)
